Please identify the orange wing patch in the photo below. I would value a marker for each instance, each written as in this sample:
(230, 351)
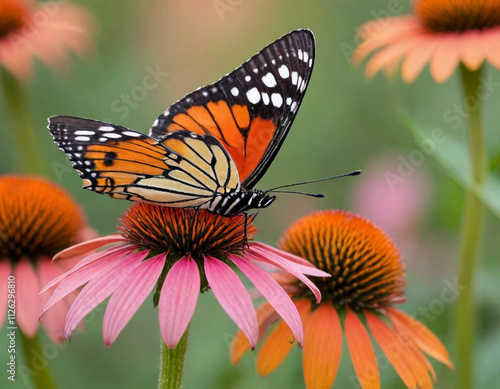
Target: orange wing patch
(131, 157)
(246, 139)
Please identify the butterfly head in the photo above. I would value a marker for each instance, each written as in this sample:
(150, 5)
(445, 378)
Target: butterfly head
(241, 200)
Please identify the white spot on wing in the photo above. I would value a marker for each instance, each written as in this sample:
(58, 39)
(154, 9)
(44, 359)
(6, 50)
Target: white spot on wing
(248, 78)
(300, 54)
(306, 56)
(283, 71)
(269, 80)
(235, 91)
(132, 134)
(253, 96)
(113, 135)
(265, 98)
(277, 100)
(288, 100)
(106, 128)
(82, 138)
(83, 132)
(295, 77)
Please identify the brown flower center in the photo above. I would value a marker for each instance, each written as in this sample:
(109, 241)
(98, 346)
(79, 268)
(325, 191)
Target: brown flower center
(458, 15)
(183, 231)
(36, 218)
(12, 16)
(365, 265)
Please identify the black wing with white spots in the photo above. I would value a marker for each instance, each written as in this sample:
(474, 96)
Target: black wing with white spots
(251, 109)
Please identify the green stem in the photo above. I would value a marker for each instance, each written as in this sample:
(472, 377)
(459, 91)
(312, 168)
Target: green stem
(470, 230)
(172, 364)
(21, 125)
(37, 364)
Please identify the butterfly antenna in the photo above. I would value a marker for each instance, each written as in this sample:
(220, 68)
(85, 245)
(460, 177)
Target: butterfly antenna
(276, 189)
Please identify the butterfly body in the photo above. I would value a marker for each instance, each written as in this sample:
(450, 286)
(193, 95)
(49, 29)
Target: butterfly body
(208, 149)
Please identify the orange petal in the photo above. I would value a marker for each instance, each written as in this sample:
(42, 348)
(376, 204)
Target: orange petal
(422, 336)
(275, 349)
(361, 351)
(266, 315)
(408, 364)
(322, 347)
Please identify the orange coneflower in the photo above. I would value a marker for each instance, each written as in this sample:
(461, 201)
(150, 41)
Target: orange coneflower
(443, 33)
(366, 281)
(46, 30)
(37, 219)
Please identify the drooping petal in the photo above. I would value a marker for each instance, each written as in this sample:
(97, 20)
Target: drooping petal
(418, 57)
(86, 261)
(491, 39)
(445, 58)
(304, 266)
(281, 259)
(73, 279)
(422, 336)
(27, 299)
(322, 347)
(233, 297)
(88, 246)
(274, 293)
(472, 53)
(5, 272)
(129, 296)
(266, 315)
(410, 367)
(100, 287)
(53, 320)
(178, 298)
(361, 351)
(274, 350)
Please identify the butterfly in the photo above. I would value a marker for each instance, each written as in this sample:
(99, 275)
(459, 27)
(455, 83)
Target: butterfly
(210, 148)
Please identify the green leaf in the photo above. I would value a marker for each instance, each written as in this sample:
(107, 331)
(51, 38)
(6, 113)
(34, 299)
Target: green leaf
(452, 155)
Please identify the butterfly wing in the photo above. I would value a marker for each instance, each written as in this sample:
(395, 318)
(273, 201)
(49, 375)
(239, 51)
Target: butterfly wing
(182, 170)
(251, 109)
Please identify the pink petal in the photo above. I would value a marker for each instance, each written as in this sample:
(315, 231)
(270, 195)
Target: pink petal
(491, 38)
(99, 256)
(27, 299)
(79, 275)
(445, 58)
(5, 272)
(53, 320)
(129, 296)
(472, 52)
(101, 286)
(378, 33)
(233, 297)
(86, 247)
(303, 265)
(274, 293)
(418, 57)
(281, 260)
(178, 298)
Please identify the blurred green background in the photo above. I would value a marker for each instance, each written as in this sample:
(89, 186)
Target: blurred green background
(345, 123)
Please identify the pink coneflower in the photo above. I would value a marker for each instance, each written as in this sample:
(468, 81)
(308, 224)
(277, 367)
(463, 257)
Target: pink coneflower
(37, 219)
(366, 282)
(443, 33)
(46, 30)
(178, 253)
